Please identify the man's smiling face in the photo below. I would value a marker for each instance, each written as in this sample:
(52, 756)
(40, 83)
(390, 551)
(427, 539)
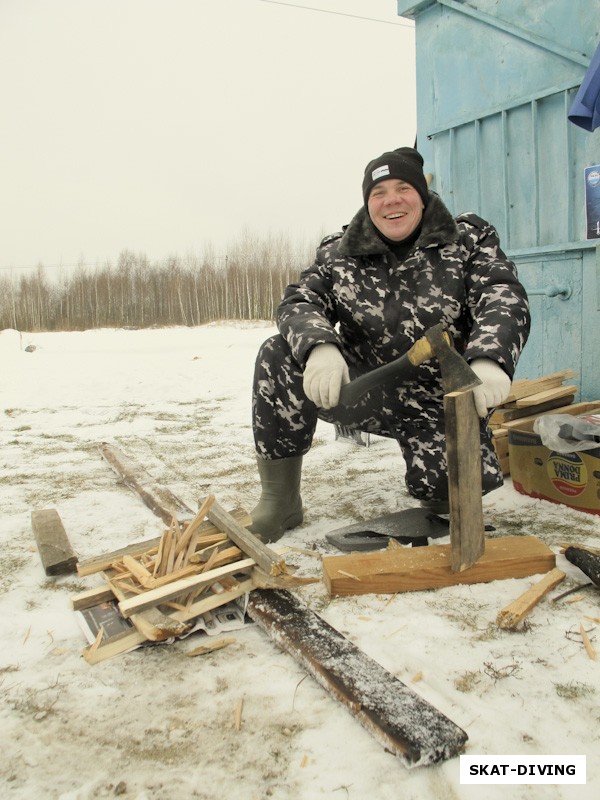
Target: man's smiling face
(395, 208)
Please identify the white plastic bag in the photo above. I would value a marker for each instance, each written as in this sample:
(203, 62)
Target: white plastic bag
(564, 433)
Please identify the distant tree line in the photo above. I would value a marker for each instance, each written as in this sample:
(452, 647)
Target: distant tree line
(246, 284)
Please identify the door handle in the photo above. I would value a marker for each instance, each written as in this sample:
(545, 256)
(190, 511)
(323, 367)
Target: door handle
(562, 291)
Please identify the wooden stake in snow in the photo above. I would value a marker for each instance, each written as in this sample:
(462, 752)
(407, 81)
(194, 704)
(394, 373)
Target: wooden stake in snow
(463, 456)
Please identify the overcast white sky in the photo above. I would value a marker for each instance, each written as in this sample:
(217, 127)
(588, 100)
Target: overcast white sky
(162, 125)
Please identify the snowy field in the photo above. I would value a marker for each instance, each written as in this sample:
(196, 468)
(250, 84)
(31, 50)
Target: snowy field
(154, 724)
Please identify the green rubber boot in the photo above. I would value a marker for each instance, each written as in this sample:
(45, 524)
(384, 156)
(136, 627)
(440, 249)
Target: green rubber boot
(280, 504)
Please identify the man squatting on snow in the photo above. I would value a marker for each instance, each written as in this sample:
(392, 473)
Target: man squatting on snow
(401, 266)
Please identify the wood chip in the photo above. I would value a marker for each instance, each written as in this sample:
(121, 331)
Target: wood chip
(203, 649)
(90, 652)
(587, 644)
(237, 721)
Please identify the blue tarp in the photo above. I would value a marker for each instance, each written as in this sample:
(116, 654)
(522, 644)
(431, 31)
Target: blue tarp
(585, 110)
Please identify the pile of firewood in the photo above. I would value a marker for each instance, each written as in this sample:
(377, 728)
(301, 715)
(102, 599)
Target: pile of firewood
(528, 399)
(181, 553)
(164, 584)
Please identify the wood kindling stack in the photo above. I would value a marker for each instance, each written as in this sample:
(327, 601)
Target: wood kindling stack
(162, 585)
(529, 398)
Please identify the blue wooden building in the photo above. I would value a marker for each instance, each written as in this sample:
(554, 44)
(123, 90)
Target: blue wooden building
(495, 82)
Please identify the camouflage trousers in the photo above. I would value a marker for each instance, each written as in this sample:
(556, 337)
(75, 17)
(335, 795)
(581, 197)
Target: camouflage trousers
(284, 422)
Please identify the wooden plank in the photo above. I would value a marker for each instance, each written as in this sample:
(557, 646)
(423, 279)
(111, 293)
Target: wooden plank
(523, 387)
(502, 416)
(266, 558)
(160, 501)
(150, 622)
(91, 597)
(559, 393)
(414, 569)
(463, 457)
(520, 421)
(58, 557)
(154, 597)
(402, 721)
(101, 562)
(515, 612)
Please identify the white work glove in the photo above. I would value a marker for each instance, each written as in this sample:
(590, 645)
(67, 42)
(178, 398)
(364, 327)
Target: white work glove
(324, 375)
(494, 388)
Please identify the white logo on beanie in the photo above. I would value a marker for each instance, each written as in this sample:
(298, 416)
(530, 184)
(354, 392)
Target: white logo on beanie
(380, 172)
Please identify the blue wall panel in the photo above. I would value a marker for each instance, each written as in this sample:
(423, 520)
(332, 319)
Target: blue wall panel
(495, 81)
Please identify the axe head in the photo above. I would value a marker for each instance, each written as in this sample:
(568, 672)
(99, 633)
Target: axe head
(457, 375)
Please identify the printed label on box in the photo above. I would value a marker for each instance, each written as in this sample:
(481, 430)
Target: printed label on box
(567, 473)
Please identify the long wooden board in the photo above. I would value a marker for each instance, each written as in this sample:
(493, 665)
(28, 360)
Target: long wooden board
(402, 721)
(506, 414)
(160, 501)
(58, 557)
(414, 569)
(549, 395)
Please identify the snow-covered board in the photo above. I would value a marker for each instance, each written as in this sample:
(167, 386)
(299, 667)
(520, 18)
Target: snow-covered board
(402, 721)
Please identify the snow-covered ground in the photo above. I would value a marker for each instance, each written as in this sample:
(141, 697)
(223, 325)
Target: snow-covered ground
(154, 724)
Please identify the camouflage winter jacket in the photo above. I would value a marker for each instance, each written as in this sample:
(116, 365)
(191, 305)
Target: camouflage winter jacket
(359, 296)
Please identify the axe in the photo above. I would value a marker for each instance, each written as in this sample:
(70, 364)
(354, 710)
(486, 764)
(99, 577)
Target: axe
(457, 375)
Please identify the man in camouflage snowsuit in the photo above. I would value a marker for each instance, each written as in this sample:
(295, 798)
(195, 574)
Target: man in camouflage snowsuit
(401, 266)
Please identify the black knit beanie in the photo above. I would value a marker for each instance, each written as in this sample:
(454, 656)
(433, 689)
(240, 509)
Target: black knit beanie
(404, 164)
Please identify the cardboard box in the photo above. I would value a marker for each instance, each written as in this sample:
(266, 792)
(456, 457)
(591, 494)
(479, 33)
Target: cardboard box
(572, 479)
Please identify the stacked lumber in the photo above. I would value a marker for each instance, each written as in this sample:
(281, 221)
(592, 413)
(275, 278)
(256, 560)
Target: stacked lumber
(529, 398)
(164, 584)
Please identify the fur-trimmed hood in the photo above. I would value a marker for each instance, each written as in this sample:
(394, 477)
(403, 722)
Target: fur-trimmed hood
(360, 237)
